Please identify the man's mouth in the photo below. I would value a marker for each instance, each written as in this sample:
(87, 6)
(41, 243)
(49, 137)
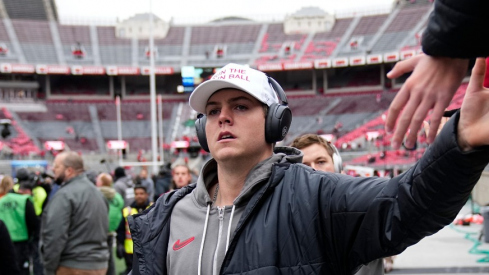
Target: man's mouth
(226, 136)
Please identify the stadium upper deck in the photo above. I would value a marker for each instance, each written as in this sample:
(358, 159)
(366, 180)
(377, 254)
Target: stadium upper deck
(44, 46)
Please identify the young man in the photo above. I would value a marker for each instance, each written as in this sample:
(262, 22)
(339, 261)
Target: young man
(124, 240)
(124, 185)
(323, 156)
(148, 183)
(318, 153)
(256, 209)
(181, 176)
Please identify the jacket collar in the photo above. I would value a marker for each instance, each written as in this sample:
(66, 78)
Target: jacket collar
(257, 176)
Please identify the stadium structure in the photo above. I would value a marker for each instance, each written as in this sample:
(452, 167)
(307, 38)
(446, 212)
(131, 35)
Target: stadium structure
(58, 83)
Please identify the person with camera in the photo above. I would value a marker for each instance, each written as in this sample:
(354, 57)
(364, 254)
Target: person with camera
(29, 183)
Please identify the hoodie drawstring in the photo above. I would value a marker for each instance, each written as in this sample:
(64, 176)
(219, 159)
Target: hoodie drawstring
(229, 227)
(203, 239)
(199, 272)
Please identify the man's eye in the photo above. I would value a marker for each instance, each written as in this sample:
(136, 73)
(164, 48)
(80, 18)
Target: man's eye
(322, 162)
(212, 112)
(241, 107)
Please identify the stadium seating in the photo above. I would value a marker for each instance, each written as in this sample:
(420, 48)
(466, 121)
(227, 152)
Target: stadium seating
(36, 41)
(25, 9)
(400, 27)
(20, 143)
(323, 44)
(244, 42)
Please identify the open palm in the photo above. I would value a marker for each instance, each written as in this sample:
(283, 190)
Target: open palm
(473, 127)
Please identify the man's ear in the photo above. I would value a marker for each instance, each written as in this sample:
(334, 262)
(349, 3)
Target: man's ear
(69, 170)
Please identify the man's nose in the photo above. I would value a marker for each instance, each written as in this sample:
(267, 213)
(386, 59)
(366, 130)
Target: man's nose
(225, 116)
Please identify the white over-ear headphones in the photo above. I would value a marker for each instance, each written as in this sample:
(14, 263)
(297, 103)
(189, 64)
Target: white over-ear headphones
(337, 161)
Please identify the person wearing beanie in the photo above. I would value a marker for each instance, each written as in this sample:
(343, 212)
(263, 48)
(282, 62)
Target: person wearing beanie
(124, 185)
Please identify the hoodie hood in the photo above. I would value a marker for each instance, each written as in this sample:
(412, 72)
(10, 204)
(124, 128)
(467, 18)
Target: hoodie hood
(126, 181)
(259, 174)
(108, 192)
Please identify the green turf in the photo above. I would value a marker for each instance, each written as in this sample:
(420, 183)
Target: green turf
(120, 265)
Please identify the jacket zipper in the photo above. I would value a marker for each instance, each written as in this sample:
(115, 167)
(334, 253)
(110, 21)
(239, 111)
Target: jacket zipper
(221, 223)
(245, 218)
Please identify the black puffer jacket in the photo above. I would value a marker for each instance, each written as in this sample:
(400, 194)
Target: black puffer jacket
(307, 222)
(458, 29)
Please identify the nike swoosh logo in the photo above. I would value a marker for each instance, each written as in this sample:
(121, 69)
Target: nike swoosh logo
(179, 245)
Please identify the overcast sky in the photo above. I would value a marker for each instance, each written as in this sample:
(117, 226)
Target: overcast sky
(188, 11)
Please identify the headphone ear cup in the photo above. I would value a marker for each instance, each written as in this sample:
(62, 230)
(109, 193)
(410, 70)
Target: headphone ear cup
(337, 160)
(200, 129)
(338, 165)
(277, 124)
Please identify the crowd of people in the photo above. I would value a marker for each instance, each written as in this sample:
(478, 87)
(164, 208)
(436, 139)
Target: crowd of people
(72, 220)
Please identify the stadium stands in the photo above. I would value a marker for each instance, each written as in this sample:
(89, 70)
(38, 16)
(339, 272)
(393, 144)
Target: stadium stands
(36, 41)
(199, 43)
(209, 45)
(324, 44)
(400, 27)
(20, 143)
(25, 9)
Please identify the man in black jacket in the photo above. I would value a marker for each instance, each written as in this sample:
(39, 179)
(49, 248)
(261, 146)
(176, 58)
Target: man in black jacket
(124, 241)
(455, 33)
(256, 209)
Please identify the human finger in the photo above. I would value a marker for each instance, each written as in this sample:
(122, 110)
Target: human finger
(395, 108)
(436, 118)
(442, 124)
(403, 67)
(477, 78)
(404, 121)
(416, 121)
(426, 127)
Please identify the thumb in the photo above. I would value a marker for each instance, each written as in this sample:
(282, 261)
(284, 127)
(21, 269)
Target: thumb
(477, 78)
(403, 67)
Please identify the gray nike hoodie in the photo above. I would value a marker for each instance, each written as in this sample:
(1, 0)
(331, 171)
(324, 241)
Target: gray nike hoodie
(199, 232)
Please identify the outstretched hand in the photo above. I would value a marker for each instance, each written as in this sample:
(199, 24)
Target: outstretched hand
(472, 128)
(432, 85)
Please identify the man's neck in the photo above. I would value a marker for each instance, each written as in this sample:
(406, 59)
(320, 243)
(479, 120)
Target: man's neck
(68, 178)
(231, 178)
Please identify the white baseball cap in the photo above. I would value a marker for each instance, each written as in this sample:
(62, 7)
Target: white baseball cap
(238, 77)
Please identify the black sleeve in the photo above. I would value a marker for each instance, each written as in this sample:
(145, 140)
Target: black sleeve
(457, 29)
(135, 265)
(8, 264)
(121, 231)
(31, 219)
(374, 218)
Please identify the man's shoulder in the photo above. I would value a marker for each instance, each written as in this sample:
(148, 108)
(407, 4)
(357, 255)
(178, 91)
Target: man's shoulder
(170, 199)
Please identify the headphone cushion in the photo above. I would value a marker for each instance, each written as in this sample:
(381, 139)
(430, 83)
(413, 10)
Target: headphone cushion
(338, 163)
(200, 129)
(277, 124)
